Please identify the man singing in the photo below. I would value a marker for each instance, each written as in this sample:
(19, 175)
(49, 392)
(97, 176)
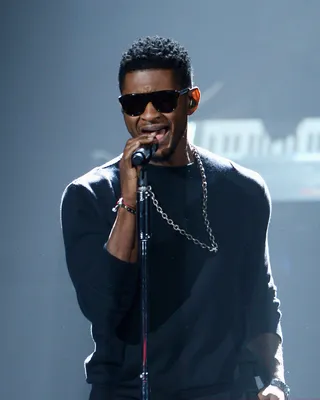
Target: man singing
(211, 291)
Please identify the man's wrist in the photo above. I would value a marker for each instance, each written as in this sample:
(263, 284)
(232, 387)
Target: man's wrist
(281, 385)
(121, 203)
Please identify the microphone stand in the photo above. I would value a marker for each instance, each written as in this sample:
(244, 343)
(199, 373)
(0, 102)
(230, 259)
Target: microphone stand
(143, 223)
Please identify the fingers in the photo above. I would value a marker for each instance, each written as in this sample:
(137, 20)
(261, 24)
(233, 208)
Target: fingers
(128, 173)
(133, 144)
(271, 393)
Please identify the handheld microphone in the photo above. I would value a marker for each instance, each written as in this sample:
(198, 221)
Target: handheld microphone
(143, 155)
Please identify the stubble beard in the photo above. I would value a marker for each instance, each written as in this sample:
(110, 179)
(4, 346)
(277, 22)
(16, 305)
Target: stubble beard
(157, 158)
(168, 152)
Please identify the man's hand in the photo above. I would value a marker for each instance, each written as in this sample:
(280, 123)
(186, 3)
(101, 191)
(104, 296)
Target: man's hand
(128, 173)
(271, 393)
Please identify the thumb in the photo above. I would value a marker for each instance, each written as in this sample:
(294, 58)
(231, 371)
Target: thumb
(263, 395)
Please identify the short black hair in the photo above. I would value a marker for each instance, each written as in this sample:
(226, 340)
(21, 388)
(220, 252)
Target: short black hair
(155, 52)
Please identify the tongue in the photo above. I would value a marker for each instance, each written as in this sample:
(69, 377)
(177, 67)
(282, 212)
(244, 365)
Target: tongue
(160, 133)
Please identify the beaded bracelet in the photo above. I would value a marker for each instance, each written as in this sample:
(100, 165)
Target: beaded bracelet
(122, 204)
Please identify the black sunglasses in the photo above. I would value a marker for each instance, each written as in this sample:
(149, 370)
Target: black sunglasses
(164, 101)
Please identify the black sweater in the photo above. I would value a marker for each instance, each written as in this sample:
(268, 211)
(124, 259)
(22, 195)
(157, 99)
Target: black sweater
(204, 307)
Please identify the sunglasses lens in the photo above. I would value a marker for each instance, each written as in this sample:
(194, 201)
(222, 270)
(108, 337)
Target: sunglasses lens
(133, 104)
(165, 101)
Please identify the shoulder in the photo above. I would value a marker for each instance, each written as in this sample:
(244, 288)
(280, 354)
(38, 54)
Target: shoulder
(213, 163)
(98, 183)
(237, 178)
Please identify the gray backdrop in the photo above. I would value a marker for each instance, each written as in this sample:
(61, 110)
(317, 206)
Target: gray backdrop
(60, 117)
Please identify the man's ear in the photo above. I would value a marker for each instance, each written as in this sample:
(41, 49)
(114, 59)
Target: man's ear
(194, 96)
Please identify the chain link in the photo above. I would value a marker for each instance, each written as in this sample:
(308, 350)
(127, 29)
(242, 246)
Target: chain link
(213, 247)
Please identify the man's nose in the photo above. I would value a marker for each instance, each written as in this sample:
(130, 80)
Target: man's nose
(150, 113)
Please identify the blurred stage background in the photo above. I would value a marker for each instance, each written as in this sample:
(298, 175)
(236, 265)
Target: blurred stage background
(257, 64)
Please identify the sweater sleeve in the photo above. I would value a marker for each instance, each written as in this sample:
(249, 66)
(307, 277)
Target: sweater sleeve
(104, 285)
(263, 306)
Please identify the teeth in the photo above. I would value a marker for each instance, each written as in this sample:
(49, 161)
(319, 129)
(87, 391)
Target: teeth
(158, 131)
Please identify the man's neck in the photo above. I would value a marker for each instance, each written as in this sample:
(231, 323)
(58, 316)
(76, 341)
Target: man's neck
(178, 159)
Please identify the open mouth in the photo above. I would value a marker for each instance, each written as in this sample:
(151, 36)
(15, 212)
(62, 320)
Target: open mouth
(161, 132)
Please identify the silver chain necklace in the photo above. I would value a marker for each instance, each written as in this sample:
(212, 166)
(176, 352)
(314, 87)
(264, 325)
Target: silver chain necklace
(213, 244)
